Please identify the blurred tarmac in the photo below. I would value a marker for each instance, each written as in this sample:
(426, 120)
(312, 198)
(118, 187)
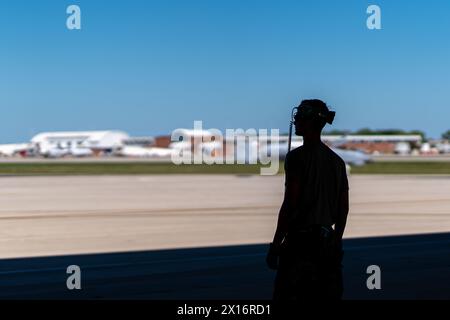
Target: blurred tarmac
(48, 216)
(206, 236)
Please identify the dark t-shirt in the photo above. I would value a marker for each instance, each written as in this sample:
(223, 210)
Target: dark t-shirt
(322, 177)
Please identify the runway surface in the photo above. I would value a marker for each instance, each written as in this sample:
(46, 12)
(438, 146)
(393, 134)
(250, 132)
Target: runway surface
(46, 216)
(205, 236)
(412, 267)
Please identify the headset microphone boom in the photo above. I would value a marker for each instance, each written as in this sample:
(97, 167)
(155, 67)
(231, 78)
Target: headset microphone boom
(293, 113)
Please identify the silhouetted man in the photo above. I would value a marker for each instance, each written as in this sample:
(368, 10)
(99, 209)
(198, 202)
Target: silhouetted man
(306, 249)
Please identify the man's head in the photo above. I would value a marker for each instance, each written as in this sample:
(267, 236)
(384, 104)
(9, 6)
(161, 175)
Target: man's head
(311, 117)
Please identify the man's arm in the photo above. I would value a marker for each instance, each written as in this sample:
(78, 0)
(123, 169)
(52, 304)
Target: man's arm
(289, 205)
(282, 225)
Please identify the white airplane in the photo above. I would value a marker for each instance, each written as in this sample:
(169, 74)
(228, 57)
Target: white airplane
(350, 157)
(10, 150)
(62, 150)
(143, 152)
(55, 153)
(443, 147)
(81, 152)
(353, 157)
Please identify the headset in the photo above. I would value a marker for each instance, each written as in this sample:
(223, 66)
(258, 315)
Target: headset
(308, 112)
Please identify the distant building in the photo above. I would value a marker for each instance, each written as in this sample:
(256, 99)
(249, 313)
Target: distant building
(96, 141)
(162, 142)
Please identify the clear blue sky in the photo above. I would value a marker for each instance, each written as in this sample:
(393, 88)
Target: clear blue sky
(148, 67)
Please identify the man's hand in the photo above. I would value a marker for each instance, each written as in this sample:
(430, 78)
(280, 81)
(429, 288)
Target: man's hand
(272, 257)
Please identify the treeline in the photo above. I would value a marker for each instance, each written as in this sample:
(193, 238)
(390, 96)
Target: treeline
(446, 135)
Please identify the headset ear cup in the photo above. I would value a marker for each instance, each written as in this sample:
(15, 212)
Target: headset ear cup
(330, 117)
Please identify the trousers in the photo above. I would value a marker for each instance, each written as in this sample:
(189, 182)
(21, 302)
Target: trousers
(310, 267)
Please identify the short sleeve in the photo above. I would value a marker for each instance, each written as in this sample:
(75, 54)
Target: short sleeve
(286, 163)
(291, 162)
(290, 167)
(286, 170)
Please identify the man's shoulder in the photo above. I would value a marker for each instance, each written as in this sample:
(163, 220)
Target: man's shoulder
(334, 156)
(295, 153)
(293, 157)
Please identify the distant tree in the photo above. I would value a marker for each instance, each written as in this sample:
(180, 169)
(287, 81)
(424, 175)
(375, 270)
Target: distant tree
(446, 135)
(365, 132)
(391, 132)
(368, 132)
